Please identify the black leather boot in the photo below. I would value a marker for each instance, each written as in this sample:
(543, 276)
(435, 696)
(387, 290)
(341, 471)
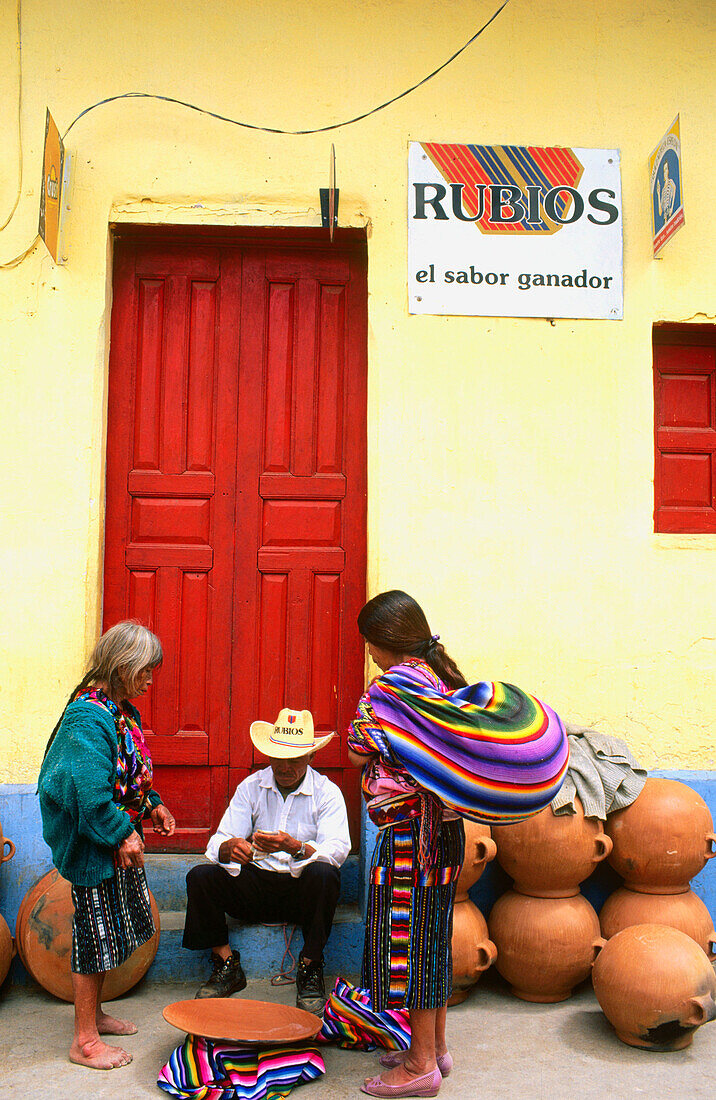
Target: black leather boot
(228, 977)
(310, 988)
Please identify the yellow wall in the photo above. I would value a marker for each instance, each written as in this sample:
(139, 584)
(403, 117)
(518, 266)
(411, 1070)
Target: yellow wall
(530, 443)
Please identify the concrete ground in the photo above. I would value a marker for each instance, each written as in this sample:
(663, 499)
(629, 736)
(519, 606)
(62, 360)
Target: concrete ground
(503, 1048)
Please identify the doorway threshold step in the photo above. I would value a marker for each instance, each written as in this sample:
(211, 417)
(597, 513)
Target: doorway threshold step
(166, 876)
(262, 947)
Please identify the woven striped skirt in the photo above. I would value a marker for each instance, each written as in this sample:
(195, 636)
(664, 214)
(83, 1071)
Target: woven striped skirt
(111, 921)
(407, 958)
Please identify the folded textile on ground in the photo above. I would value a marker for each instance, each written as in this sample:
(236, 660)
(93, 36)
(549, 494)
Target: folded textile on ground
(350, 1021)
(601, 772)
(205, 1069)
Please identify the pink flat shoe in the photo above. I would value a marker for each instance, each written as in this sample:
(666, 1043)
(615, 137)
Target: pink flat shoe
(426, 1085)
(396, 1057)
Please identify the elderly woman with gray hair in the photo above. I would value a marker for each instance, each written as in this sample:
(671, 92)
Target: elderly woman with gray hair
(95, 788)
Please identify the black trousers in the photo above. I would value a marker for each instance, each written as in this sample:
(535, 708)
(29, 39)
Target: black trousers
(260, 897)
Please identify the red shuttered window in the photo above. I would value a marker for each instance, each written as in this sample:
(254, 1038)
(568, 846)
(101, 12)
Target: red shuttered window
(685, 428)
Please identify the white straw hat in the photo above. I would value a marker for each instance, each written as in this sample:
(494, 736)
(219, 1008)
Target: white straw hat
(291, 735)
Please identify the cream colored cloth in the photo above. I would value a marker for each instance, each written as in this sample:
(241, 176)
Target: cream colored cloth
(601, 772)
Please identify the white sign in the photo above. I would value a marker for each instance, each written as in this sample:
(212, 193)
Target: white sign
(514, 231)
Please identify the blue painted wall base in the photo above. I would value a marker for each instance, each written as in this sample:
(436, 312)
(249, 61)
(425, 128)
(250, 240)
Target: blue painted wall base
(262, 947)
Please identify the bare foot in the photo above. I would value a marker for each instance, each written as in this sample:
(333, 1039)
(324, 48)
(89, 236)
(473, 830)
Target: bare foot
(111, 1025)
(97, 1055)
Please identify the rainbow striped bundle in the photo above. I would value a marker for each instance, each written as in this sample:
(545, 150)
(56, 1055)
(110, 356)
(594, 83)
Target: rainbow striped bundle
(201, 1069)
(350, 1021)
(489, 751)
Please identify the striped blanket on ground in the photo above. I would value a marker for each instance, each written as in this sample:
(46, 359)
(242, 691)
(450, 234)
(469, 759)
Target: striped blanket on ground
(203, 1069)
(489, 751)
(350, 1021)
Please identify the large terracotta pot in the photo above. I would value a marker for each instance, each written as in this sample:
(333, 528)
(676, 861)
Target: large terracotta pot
(480, 848)
(545, 946)
(43, 932)
(7, 949)
(686, 912)
(663, 839)
(548, 855)
(472, 949)
(655, 986)
(6, 842)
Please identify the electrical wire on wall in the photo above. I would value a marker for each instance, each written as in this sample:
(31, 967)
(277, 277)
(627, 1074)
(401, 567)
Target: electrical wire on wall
(225, 118)
(275, 129)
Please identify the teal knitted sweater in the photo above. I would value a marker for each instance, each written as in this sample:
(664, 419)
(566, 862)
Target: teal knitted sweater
(81, 822)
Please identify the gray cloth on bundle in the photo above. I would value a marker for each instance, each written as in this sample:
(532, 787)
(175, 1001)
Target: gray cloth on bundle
(601, 772)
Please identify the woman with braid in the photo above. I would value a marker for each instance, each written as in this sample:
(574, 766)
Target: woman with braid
(433, 749)
(95, 788)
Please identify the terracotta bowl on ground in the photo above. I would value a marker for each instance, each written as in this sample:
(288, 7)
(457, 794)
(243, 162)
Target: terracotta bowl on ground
(238, 1020)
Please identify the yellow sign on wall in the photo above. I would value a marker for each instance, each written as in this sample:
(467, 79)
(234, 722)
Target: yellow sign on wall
(51, 191)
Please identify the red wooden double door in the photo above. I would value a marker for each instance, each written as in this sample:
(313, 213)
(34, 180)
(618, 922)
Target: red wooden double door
(236, 496)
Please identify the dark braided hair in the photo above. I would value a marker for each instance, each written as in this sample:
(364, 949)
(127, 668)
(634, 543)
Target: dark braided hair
(396, 622)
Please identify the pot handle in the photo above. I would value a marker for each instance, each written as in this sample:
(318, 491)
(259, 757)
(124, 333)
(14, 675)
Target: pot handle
(597, 946)
(486, 955)
(603, 845)
(710, 839)
(485, 849)
(11, 853)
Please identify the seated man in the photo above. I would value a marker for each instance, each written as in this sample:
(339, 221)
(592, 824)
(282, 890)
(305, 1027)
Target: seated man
(274, 858)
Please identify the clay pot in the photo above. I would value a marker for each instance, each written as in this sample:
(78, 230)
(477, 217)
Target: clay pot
(43, 933)
(480, 848)
(545, 946)
(548, 855)
(6, 842)
(663, 839)
(7, 949)
(686, 912)
(655, 986)
(473, 951)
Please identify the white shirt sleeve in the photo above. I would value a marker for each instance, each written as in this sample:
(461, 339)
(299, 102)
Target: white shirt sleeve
(333, 842)
(237, 821)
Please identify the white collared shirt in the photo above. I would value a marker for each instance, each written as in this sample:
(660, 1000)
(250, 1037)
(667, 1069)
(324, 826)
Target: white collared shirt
(315, 814)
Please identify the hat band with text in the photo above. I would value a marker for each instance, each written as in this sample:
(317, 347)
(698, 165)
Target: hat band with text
(290, 735)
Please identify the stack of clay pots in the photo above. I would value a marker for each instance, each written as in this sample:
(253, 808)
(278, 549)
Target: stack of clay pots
(7, 947)
(659, 843)
(546, 933)
(472, 949)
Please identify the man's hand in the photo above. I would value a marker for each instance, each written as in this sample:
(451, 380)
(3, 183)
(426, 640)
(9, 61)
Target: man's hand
(275, 842)
(236, 850)
(130, 852)
(162, 820)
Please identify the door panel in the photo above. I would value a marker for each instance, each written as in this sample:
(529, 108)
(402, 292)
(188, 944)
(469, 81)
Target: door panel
(236, 498)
